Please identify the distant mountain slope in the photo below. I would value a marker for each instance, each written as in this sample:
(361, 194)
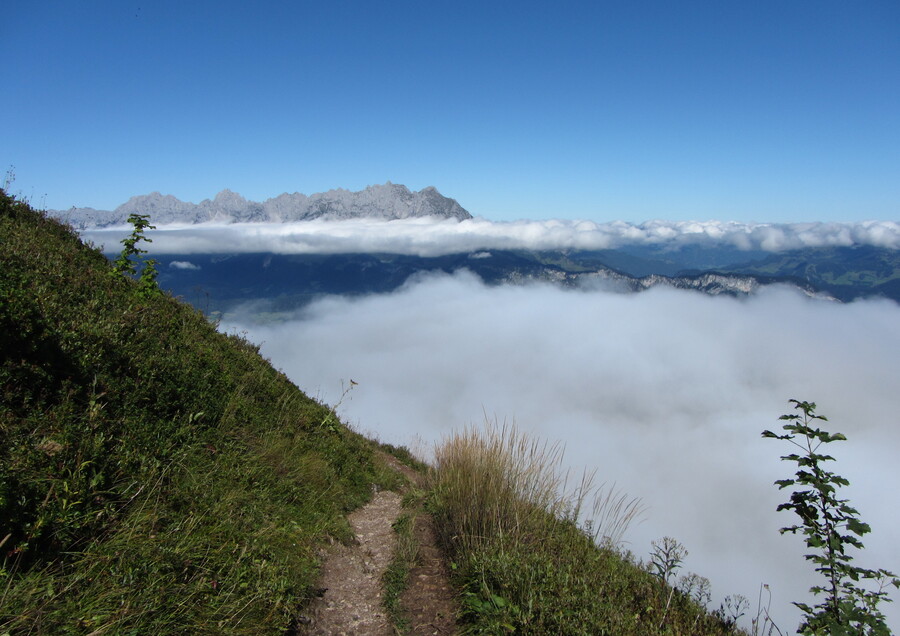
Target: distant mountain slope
(220, 282)
(388, 201)
(845, 272)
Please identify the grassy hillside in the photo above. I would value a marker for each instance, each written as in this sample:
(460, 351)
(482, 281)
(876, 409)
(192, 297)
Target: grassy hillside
(155, 476)
(158, 477)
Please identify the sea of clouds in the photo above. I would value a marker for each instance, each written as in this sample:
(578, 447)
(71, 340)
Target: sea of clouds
(664, 393)
(436, 237)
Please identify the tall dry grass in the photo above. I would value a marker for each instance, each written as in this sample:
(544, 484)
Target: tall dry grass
(537, 553)
(499, 483)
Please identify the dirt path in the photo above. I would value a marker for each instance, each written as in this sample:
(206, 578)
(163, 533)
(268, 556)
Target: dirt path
(351, 602)
(351, 575)
(429, 601)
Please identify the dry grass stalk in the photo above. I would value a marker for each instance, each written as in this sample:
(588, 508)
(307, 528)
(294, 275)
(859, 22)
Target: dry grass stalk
(501, 483)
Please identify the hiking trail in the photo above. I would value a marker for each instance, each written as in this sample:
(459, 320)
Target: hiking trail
(351, 590)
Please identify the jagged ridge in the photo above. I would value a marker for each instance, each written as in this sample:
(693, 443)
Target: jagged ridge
(389, 201)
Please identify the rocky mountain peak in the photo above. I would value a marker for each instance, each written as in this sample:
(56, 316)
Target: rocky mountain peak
(388, 201)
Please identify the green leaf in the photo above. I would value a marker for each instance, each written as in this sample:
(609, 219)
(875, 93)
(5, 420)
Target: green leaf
(858, 527)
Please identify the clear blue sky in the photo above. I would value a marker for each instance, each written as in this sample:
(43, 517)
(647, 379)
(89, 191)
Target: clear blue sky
(765, 111)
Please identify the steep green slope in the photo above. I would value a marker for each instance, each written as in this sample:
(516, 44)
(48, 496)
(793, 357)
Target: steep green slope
(155, 476)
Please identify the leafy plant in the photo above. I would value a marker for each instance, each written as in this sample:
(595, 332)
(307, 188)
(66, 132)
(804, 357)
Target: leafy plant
(147, 281)
(732, 608)
(696, 587)
(127, 262)
(492, 614)
(831, 526)
(124, 263)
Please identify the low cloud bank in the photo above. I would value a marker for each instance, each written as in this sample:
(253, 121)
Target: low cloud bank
(436, 237)
(664, 393)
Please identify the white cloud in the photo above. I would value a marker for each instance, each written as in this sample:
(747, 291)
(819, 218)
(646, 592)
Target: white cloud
(434, 237)
(664, 393)
(183, 265)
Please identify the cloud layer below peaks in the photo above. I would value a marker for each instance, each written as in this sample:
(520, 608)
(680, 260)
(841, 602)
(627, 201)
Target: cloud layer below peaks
(430, 236)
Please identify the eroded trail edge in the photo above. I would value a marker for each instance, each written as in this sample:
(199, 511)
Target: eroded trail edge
(429, 601)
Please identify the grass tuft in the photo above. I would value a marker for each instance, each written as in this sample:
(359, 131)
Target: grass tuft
(500, 484)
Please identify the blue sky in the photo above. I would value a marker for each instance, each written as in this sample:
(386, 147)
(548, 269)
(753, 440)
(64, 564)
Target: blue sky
(749, 111)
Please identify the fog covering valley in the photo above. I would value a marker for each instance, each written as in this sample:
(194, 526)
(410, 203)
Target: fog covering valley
(663, 393)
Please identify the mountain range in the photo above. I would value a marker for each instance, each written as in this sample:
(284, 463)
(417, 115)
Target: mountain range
(389, 201)
(219, 282)
(283, 282)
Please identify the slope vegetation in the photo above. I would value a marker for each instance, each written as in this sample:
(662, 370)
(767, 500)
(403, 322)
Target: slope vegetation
(155, 476)
(526, 565)
(845, 272)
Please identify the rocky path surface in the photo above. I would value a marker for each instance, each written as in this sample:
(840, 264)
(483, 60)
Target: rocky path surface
(351, 577)
(351, 603)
